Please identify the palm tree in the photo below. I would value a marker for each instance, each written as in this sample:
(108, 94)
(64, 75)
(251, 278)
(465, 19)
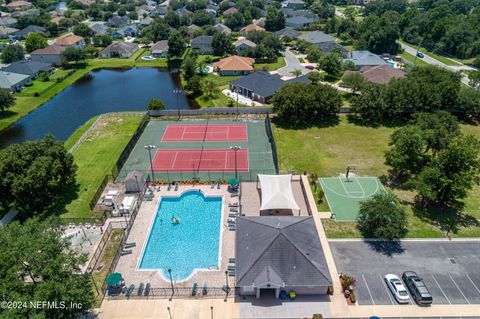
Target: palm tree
(296, 73)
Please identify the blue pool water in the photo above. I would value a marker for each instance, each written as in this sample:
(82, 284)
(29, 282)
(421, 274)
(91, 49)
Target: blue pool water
(191, 244)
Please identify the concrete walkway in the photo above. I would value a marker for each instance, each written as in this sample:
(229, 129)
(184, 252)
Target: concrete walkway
(292, 63)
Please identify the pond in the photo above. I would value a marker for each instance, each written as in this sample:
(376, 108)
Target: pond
(105, 91)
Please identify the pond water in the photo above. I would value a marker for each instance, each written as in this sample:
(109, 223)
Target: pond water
(61, 5)
(106, 91)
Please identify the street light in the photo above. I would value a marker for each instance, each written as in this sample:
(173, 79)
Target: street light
(171, 283)
(236, 148)
(177, 92)
(150, 148)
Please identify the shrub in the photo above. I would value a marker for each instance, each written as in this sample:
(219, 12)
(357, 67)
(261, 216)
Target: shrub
(353, 298)
(36, 94)
(156, 104)
(320, 195)
(317, 316)
(347, 281)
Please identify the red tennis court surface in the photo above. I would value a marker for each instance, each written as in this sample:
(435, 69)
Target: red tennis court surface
(210, 132)
(212, 160)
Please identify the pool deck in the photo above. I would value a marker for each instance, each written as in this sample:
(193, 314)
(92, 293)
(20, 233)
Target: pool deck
(128, 264)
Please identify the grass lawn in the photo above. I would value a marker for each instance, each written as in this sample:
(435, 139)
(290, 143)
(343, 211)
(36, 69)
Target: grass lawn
(270, 66)
(95, 158)
(78, 133)
(410, 58)
(434, 55)
(318, 150)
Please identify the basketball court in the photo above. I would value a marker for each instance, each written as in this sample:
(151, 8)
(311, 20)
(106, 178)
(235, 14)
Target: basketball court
(205, 133)
(345, 194)
(201, 160)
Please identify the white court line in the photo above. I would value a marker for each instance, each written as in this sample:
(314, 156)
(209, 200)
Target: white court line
(443, 292)
(226, 160)
(363, 190)
(389, 293)
(458, 288)
(174, 160)
(368, 289)
(473, 283)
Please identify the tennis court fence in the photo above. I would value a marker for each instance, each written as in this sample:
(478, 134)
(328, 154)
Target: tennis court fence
(210, 111)
(271, 139)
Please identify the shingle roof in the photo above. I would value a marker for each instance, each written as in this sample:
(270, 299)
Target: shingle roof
(30, 29)
(120, 47)
(300, 20)
(27, 67)
(7, 30)
(230, 11)
(68, 40)
(317, 37)
(362, 58)
(328, 47)
(222, 28)
(51, 49)
(282, 250)
(160, 46)
(203, 39)
(235, 63)
(288, 32)
(9, 79)
(381, 74)
(244, 41)
(99, 28)
(252, 27)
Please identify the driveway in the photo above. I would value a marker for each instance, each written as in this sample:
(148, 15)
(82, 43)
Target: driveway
(450, 269)
(292, 63)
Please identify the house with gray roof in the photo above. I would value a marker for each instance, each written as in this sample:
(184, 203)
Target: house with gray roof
(202, 44)
(279, 253)
(328, 47)
(294, 4)
(317, 37)
(13, 82)
(126, 31)
(119, 50)
(160, 49)
(262, 86)
(365, 58)
(21, 34)
(287, 12)
(146, 21)
(222, 29)
(99, 28)
(288, 32)
(242, 45)
(160, 11)
(117, 21)
(7, 21)
(182, 12)
(28, 67)
(298, 22)
(6, 32)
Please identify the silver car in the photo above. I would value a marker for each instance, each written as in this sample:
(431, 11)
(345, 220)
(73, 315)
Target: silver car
(397, 288)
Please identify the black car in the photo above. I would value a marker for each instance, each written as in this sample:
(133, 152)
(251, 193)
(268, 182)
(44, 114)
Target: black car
(417, 288)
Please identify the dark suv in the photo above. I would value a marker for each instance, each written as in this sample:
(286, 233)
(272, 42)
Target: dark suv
(417, 288)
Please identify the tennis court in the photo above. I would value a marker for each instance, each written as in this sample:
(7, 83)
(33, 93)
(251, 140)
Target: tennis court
(204, 132)
(201, 160)
(207, 157)
(344, 195)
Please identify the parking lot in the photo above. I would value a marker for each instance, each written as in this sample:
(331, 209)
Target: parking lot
(451, 270)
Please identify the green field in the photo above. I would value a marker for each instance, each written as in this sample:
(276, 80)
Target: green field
(410, 58)
(328, 150)
(95, 158)
(270, 66)
(434, 55)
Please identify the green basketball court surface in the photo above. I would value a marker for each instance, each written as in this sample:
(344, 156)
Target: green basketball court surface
(260, 158)
(344, 196)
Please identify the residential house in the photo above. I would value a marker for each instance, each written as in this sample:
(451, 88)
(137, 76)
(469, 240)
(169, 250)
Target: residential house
(59, 12)
(146, 21)
(119, 50)
(294, 4)
(28, 67)
(126, 31)
(56, 20)
(19, 5)
(181, 12)
(99, 28)
(298, 22)
(279, 254)
(262, 86)
(260, 22)
(6, 32)
(242, 45)
(222, 29)
(7, 21)
(192, 28)
(379, 74)
(160, 49)
(51, 54)
(159, 11)
(202, 44)
(234, 65)
(365, 58)
(328, 47)
(86, 3)
(317, 37)
(229, 11)
(22, 34)
(287, 12)
(305, 13)
(13, 82)
(118, 22)
(71, 41)
(249, 28)
(288, 32)
(211, 12)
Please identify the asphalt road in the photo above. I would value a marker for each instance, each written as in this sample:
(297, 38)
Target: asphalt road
(450, 269)
(292, 63)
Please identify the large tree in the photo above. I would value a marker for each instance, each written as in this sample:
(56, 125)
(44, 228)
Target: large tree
(274, 19)
(331, 63)
(74, 55)
(379, 33)
(222, 44)
(39, 266)
(176, 45)
(7, 100)
(12, 53)
(82, 29)
(35, 41)
(382, 216)
(306, 104)
(35, 174)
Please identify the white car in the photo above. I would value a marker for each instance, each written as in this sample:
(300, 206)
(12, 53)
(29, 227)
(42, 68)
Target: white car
(397, 288)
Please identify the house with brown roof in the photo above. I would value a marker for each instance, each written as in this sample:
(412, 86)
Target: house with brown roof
(19, 5)
(71, 41)
(86, 2)
(51, 54)
(234, 65)
(379, 74)
(249, 28)
(231, 10)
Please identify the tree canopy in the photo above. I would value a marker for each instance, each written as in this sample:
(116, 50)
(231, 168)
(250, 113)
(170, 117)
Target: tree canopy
(176, 45)
(35, 41)
(12, 53)
(274, 19)
(222, 44)
(7, 100)
(156, 104)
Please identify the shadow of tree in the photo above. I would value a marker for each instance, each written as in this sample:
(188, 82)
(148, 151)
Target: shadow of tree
(322, 124)
(386, 247)
(6, 114)
(390, 123)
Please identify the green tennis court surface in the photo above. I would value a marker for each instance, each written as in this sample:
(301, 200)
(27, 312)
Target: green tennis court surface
(344, 196)
(260, 158)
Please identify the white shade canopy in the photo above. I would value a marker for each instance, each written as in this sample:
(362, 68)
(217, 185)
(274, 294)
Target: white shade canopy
(277, 192)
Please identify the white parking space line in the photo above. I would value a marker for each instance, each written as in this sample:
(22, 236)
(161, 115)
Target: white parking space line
(473, 283)
(389, 293)
(368, 289)
(443, 292)
(458, 288)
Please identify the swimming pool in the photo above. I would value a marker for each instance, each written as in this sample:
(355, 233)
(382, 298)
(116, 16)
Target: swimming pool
(192, 243)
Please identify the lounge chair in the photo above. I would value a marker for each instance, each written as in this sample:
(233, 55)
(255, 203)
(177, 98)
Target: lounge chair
(234, 195)
(232, 215)
(147, 289)
(233, 205)
(231, 273)
(231, 268)
(205, 288)
(213, 185)
(176, 187)
(130, 245)
(233, 209)
(232, 227)
(125, 252)
(194, 289)
(140, 289)
(218, 184)
(169, 186)
(231, 260)
(130, 290)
